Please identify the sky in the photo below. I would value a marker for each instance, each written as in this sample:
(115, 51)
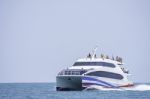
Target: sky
(39, 38)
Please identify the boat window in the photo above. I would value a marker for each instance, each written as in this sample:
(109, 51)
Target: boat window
(106, 74)
(94, 64)
(72, 72)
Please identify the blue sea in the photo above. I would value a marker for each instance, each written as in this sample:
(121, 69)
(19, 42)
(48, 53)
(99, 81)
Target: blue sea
(47, 91)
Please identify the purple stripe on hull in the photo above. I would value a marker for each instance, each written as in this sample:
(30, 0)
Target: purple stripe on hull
(103, 83)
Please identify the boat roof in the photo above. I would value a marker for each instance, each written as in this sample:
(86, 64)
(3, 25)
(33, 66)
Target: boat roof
(92, 57)
(98, 60)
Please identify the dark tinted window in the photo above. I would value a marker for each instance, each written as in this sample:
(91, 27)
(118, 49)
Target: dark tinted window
(106, 74)
(72, 72)
(94, 64)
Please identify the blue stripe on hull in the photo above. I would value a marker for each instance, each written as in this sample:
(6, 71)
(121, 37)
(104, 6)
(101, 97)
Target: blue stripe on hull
(103, 83)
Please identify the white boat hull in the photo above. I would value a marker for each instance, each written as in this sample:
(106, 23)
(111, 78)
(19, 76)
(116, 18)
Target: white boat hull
(70, 83)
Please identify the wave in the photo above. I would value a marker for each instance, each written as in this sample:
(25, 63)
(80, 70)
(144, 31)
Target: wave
(138, 87)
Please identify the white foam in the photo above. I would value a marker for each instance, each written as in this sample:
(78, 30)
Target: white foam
(95, 87)
(139, 87)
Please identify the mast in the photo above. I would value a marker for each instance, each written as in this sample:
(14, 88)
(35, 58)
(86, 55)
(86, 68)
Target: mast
(94, 52)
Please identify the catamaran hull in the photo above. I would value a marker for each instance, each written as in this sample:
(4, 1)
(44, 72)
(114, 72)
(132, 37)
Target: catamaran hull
(67, 83)
(78, 83)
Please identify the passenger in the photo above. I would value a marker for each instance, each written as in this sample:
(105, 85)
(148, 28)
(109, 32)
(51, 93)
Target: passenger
(102, 56)
(117, 58)
(107, 57)
(95, 56)
(120, 59)
(113, 58)
(89, 56)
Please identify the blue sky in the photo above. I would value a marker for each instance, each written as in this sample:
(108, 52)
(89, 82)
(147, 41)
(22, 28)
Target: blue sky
(38, 38)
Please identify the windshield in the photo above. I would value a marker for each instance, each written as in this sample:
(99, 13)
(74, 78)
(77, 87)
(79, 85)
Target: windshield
(93, 64)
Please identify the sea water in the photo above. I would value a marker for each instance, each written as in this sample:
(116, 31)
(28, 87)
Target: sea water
(47, 91)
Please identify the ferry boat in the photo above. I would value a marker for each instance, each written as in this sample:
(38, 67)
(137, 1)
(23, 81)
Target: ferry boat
(94, 72)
